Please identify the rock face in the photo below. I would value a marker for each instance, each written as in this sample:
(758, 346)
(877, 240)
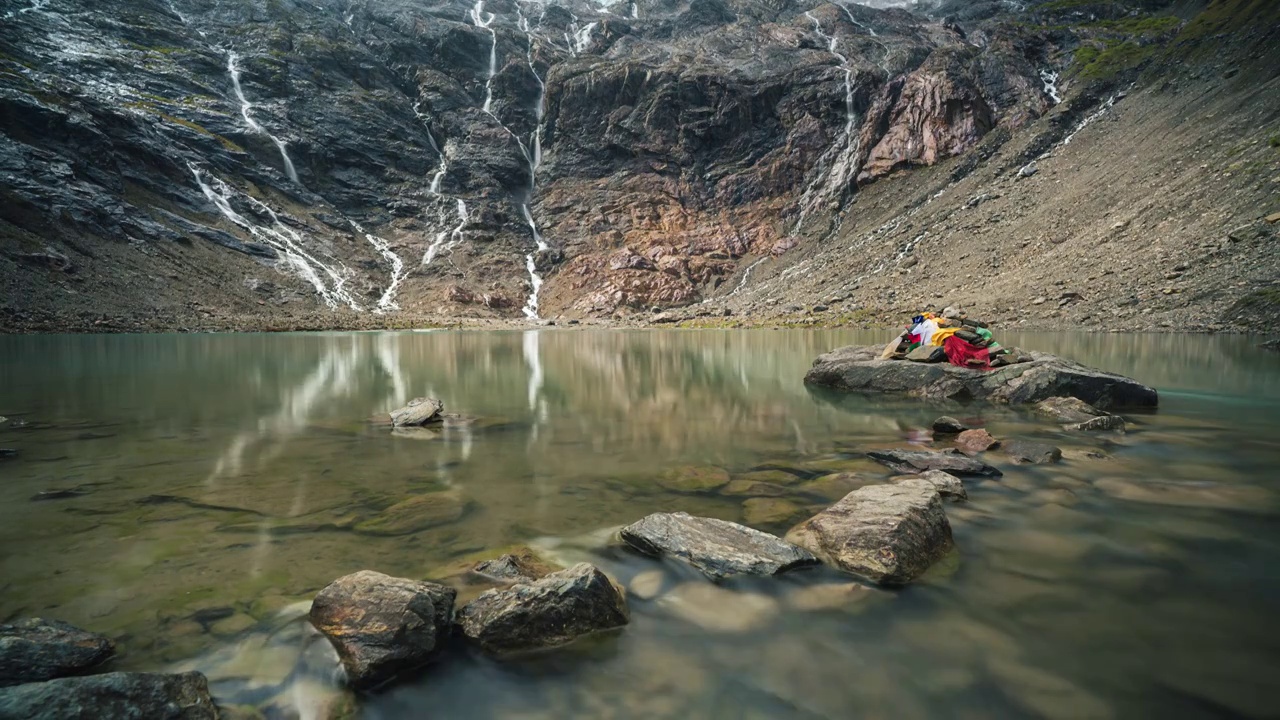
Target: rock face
(383, 626)
(857, 369)
(37, 649)
(889, 534)
(419, 412)
(548, 612)
(718, 548)
(948, 486)
(113, 696)
(952, 461)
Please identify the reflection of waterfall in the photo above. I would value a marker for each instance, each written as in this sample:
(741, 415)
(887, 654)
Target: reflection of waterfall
(245, 106)
(533, 358)
(840, 160)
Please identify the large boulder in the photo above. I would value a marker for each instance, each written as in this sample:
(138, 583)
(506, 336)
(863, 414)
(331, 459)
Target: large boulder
(716, 547)
(113, 696)
(948, 486)
(858, 369)
(914, 462)
(383, 626)
(889, 534)
(419, 411)
(37, 649)
(547, 612)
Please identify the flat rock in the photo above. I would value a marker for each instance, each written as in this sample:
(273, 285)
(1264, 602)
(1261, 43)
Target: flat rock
(112, 696)
(769, 511)
(419, 412)
(947, 425)
(914, 462)
(694, 479)
(716, 547)
(36, 649)
(976, 441)
(949, 486)
(1079, 415)
(1028, 452)
(544, 613)
(858, 369)
(415, 514)
(383, 626)
(754, 488)
(889, 534)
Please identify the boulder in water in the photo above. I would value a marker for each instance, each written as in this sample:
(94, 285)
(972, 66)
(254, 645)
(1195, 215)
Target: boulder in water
(949, 486)
(36, 649)
(947, 425)
(1077, 414)
(694, 479)
(914, 462)
(551, 611)
(976, 441)
(858, 369)
(514, 567)
(769, 511)
(889, 534)
(112, 696)
(419, 411)
(1031, 453)
(718, 548)
(383, 626)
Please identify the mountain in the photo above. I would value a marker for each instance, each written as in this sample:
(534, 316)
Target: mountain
(275, 163)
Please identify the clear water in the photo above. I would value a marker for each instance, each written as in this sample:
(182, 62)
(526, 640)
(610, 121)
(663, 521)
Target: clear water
(212, 484)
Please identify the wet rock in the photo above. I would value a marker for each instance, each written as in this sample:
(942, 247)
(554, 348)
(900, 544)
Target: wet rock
(917, 461)
(947, 425)
(383, 626)
(694, 479)
(1079, 415)
(836, 485)
(113, 696)
(1099, 424)
(889, 534)
(776, 476)
(419, 412)
(976, 441)
(753, 488)
(716, 547)
(415, 514)
(514, 567)
(769, 511)
(718, 609)
(548, 612)
(1031, 453)
(858, 369)
(948, 486)
(36, 649)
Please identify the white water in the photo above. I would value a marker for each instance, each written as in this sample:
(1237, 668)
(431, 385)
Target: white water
(447, 239)
(484, 20)
(1050, 80)
(1089, 120)
(842, 167)
(33, 7)
(582, 38)
(746, 275)
(245, 106)
(327, 281)
(535, 161)
(387, 302)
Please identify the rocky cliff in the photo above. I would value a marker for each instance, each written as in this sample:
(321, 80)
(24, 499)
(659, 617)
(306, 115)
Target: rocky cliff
(348, 163)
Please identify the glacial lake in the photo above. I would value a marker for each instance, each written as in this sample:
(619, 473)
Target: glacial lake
(187, 495)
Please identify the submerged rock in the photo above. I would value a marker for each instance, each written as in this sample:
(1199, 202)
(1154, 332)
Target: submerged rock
(718, 609)
(769, 511)
(113, 696)
(514, 567)
(976, 441)
(382, 626)
(415, 514)
(948, 485)
(1077, 414)
(1033, 453)
(754, 488)
(419, 411)
(693, 479)
(543, 613)
(1185, 493)
(917, 461)
(858, 369)
(889, 534)
(37, 649)
(718, 548)
(947, 425)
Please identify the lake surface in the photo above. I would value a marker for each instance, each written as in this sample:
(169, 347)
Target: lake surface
(187, 495)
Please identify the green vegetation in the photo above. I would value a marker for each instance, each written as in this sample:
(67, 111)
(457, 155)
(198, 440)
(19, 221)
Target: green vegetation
(1274, 140)
(148, 107)
(1113, 59)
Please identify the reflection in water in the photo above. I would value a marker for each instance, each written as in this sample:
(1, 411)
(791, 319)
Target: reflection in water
(231, 477)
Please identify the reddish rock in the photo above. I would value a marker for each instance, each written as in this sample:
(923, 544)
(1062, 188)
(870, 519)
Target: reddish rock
(975, 441)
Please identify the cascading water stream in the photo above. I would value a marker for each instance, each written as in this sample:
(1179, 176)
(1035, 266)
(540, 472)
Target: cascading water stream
(280, 237)
(245, 106)
(446, 238)
(35, 6)
(1111, 101)
(535, 160)
(484, 20)
(387, 302)
(1050, 79)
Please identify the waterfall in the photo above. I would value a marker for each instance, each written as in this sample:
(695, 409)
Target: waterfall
(452, 236)
(1050, 80)
(245, 106)
(582, 38)
(1089, 120)
(842, 167)
(445, 239)
(484, 20)
(387, 302)
(747, 274)
(287, 241)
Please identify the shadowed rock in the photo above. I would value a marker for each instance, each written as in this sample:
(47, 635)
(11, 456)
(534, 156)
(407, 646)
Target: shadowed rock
(889, 534)
(949, 486)
(716, 547)
(947, 425)
(419, 411)
(113, 696)
(383, 626)
(914, 462)
(858, 369)
(1033, 453)
(548, 612)
(37, 649)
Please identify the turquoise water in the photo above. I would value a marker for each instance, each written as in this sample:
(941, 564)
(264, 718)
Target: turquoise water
(188, 494)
